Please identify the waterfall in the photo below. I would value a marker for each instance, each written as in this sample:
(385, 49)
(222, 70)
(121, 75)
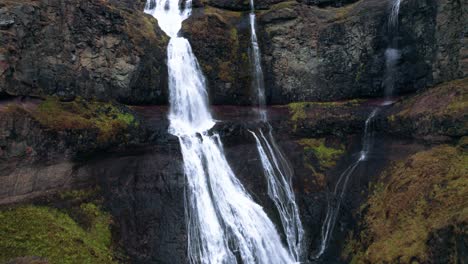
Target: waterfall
(394, 12)
(278, 175)
(392, 54)
(334, 205)
(224, 224)
(258, 80)
(277, 171)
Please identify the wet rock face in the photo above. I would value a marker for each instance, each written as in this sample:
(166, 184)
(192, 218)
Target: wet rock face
(145, 194)
(82, 48)
(242, 5)
(325, 54)
(223, 52)
(328, 50)
(451, 57)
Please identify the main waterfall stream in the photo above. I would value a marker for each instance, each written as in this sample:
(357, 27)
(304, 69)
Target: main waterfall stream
(224, 224)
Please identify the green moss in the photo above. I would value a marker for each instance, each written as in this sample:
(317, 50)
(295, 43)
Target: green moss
(106, 118)
(309, 110)
(325, 155)
(359, 73)
(297, 110)
(423, 194)
(51, 234)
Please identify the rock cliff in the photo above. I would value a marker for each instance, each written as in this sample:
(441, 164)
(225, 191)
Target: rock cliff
(83, 94)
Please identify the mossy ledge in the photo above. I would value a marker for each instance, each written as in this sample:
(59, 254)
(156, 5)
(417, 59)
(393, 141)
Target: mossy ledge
(436, 112)
(78, 232)
(415, 199)
(108, 119)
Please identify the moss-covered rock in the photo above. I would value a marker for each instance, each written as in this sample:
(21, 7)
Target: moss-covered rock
(82, 125)
(320, 119)
(413, 200)
(79, 232)
(435, 113)
(319, 155)
(108, 119)
(326, 155)
(223, 52)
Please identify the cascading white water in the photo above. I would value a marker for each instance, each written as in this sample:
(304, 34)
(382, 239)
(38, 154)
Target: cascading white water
(394, 12)
(392, 54)
(334, 205)
(276, 168)
(278, 174)
(224, 223)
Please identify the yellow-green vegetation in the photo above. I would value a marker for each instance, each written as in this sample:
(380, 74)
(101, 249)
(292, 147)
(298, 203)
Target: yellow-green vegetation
(106, 118)
(54, 235)
(298, 110)
(425, 193)
(327, 156)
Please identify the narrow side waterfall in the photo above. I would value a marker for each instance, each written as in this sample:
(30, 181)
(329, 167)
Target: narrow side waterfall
(392, 54)
(277, 171)
(394, 12)
(258, 80)
(334, 204)
(278, 175)
(224, 224)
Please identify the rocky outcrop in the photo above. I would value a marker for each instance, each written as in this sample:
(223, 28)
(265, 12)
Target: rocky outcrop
(328, 50)
(312, 50)
(43, 142)
(339, 53)
(223, 53)
(82, 48)
(437, 114)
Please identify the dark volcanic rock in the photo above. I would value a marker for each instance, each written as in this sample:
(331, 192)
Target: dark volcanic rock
(220, 40)
(42, 144)
(242, 5)
(323, 3)
(328, 50)
(82, 48)
(145, 194)
(312, 53)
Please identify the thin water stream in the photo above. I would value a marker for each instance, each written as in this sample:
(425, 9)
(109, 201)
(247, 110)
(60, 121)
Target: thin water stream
(339, 192)
(392, 55)
(276, 168)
